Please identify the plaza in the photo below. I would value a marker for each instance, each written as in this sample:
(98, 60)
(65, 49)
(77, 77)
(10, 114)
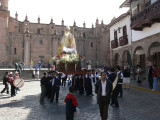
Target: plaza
(135, 105)
(124, 53)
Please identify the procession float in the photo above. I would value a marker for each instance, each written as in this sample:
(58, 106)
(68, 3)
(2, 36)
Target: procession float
(68, 60)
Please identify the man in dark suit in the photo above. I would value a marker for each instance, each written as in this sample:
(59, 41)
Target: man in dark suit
(56, 82)
(103, 90)
(150, 78)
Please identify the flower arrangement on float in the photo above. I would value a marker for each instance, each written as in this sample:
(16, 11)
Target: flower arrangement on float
(67, 58)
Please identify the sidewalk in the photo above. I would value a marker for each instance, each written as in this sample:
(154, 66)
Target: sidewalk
(144, 86)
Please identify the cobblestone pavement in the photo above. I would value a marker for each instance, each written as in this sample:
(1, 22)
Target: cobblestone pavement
(135, 105)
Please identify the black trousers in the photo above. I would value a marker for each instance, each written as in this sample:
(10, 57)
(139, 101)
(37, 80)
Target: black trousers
(114, 97)
(49, 91)
(13, 88)
(55, 90)
(69, 115)
(6, 88)
(88, 88)
(150, 80)
(43, 93)
(120, 90)
(103, 107)
(63, 81)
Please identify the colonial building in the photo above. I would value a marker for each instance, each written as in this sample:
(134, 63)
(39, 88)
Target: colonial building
(26, 41)
(120, 40)
(145, 33)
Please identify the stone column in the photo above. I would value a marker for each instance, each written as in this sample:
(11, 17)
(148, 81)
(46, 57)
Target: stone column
(27, 50)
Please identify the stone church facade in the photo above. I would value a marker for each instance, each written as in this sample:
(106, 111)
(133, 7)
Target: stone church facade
(26, 41)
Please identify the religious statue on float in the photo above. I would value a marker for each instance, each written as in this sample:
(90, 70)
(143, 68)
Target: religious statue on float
(67, 57)
(68, 44)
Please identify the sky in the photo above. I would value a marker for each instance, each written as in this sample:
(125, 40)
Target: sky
(68, 10)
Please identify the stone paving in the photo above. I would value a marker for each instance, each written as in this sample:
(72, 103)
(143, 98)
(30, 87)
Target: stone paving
(135, 105)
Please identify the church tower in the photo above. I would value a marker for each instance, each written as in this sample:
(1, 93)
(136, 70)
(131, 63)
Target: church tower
(4, 18)
(4, 4)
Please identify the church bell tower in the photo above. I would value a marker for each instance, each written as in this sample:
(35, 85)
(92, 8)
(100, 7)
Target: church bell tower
(4, 18)
(3, 4)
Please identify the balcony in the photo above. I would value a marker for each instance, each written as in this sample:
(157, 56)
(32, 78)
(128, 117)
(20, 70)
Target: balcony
(147, 17)
(123, 40)
(114, 43)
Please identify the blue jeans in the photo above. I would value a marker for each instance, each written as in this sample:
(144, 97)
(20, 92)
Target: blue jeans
(39, 67)
(154, 83)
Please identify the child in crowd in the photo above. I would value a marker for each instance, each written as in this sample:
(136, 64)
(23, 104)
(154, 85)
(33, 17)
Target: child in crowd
(71, 104)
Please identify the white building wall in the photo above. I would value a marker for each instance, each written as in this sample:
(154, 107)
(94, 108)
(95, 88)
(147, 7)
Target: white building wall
(147, 31)
(121, 24)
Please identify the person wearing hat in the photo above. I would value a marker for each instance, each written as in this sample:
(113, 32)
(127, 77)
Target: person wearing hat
(88, 83)
(49, 83)
(10, 79)
(56, 82)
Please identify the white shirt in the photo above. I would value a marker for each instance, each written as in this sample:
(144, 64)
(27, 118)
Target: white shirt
(103, 88)
(63, 75)
(89, 76)
(53, 81)
(121, 75)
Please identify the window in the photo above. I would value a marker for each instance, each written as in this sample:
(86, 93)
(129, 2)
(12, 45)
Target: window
(115, 35)
(38, 31)
(41, 42)
(15, 51)
(124, 30)
(84, 35)
(54, 32)
(91, 44)
(62, 33)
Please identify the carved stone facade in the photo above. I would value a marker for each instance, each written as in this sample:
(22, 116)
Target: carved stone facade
(26, 41)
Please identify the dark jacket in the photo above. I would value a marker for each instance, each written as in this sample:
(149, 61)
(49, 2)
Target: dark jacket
(5, 79)
(126, 72)
(150, 71)
(98, 90)
(57, 81)
(112, 77)
(44, 80)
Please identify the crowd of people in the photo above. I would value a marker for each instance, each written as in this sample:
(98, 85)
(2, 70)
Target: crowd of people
(106, 85)
(8, 79)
